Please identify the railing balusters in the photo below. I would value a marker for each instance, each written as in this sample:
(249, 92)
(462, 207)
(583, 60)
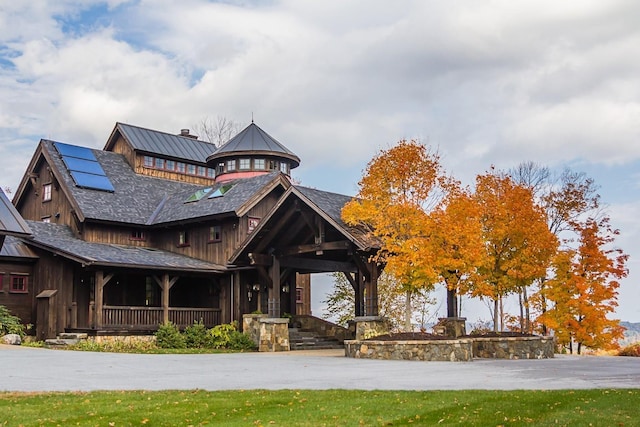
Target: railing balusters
(151, 317)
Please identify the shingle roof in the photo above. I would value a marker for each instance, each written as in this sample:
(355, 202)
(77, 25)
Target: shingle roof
(144, 200)
(254, 140)
(242, 190)
(11, 223)
(166, 144)
(60, 239)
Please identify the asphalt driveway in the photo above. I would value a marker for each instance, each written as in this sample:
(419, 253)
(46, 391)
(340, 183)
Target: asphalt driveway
(37, 369)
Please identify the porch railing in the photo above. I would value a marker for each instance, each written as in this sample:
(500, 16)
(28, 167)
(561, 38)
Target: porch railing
(188, 316)
(114, 316)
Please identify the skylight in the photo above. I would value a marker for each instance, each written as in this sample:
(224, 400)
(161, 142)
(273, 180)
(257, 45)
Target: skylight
(220, 191)
(199, 194)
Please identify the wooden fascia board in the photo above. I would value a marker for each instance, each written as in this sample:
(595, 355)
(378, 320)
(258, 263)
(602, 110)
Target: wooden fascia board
(114, 137)
(264, 191)
(22, 187)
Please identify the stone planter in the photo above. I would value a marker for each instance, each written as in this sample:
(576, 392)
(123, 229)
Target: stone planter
(454, 350)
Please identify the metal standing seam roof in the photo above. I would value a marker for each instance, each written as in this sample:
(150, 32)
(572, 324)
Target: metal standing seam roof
(14, 247)
(10, 220)
(254, 139)
(166, 144)
(60, 239)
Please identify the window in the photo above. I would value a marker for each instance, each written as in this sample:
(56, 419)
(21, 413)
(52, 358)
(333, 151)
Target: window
(273, 165)
(252, 224)
(215, 233)
(183, 238)
(220, 168)
(170, 165)
(18, 284)
(46, 219)
(152, 293)
(284, 167)
(202, 171)
(159, 163)
(231, 165)
(148, 162)
(137, 235)
(46, 192)
(181, 167)
(199, 194)
(299, 295)
(211, 173)
(191, 169)
(258, 164)
(245, 164)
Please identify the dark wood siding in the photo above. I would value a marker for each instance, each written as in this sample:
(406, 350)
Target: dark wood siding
(19, 304)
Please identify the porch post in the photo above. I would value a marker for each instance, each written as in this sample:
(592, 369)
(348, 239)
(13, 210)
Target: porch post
(274, 291)
(99, 297)
(165, 298)
(372, 289)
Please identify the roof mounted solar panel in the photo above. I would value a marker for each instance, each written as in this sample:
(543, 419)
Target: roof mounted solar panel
(88, 180)
(67, 150)
(81, 165)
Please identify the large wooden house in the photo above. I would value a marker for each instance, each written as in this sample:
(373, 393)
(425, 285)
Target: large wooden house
(160, 227)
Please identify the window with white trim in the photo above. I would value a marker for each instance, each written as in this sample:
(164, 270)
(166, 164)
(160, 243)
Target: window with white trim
(46, 192)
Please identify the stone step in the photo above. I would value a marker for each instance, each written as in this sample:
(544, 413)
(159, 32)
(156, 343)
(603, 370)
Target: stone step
(61, 341)
(73, 336)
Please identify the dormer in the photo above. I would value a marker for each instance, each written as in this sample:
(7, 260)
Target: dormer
(250, 153)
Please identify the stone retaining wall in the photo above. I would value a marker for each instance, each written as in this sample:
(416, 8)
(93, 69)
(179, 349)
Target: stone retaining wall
(460, 350)
(514, 348)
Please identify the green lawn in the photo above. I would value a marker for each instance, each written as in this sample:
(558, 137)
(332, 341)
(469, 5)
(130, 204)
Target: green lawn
(318, 408)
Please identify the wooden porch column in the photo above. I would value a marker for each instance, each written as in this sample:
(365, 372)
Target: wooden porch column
(372, 289)
(166, 283)
(274, 290)
(99, 297)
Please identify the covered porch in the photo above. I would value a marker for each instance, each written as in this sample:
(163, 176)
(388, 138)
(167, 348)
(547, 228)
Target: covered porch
(305, 234)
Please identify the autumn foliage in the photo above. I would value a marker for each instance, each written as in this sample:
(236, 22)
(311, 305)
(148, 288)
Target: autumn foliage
(513, 234)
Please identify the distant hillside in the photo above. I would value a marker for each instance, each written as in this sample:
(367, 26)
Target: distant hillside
(632, 333)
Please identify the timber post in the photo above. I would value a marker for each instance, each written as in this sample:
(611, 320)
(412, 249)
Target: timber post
(99, 297)
(274, 290)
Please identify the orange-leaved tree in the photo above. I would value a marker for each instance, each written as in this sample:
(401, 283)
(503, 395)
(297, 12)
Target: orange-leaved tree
(457, 244)
(399, 188)
(584, 290)
(518, 243)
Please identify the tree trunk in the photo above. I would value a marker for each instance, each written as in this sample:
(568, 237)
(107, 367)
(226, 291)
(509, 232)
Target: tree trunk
(407, 312)
(527, 312)
(521, 310)
(496, 314)
(501, 314)
(452, 303)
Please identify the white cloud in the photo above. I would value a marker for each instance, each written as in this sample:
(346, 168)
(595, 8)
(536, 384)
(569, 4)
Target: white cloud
(488, 83)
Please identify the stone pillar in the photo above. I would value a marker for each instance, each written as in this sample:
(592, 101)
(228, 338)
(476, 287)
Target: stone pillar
(251, 326)
(453, 326)
(370, 326)
(274, 334)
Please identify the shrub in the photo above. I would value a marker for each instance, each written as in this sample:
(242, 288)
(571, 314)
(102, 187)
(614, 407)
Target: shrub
(169, 336)
(10, 324)
(196, 336)
(220, 335)
(240, 341)
(632, 350)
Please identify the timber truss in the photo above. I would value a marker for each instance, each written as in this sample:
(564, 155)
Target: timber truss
(298, 236)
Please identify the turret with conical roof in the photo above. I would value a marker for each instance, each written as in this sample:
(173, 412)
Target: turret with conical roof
(251, 152)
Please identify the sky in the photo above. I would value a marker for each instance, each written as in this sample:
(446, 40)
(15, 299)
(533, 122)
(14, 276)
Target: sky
(491, 83)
